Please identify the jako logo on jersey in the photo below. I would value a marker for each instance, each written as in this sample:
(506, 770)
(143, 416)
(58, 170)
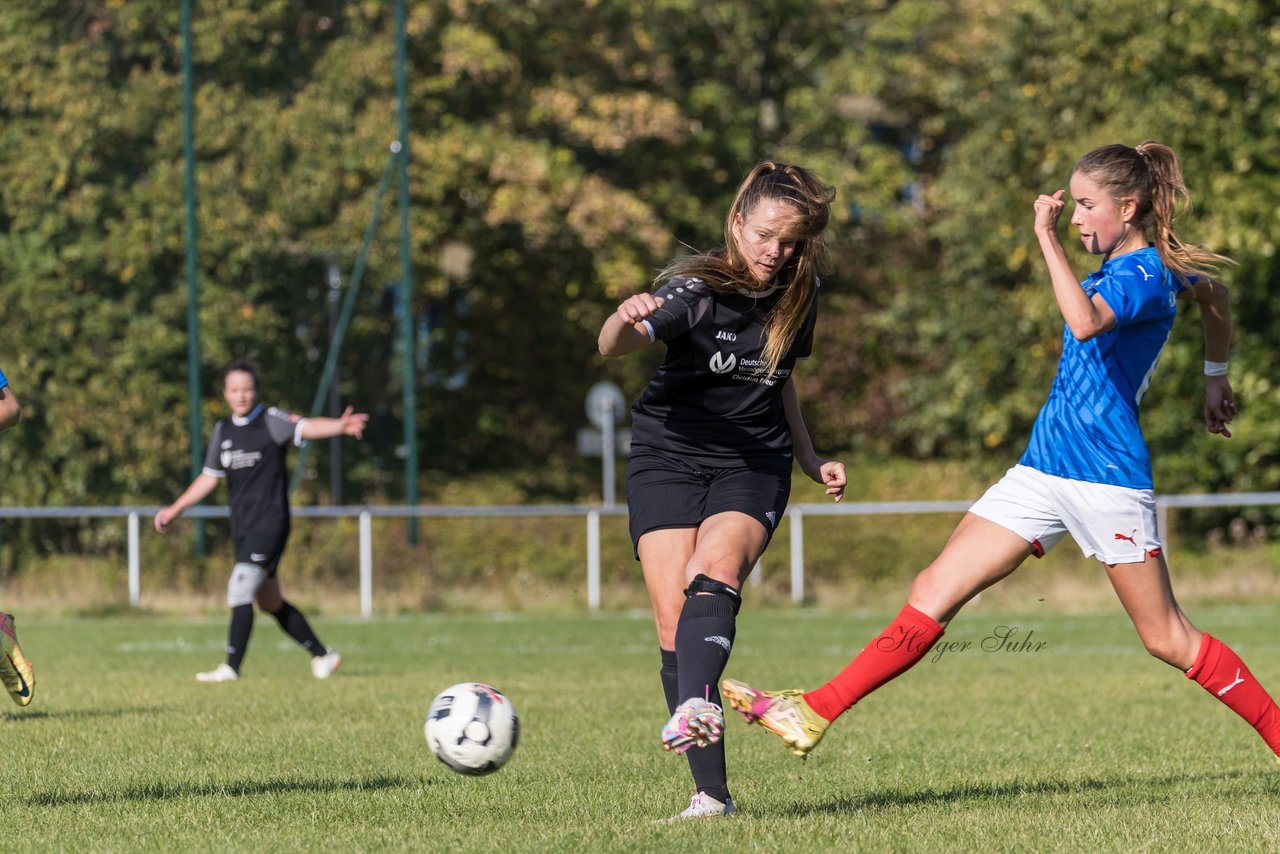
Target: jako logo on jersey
(1132, 538)
(720, 641)
(1145, 274)
(726, 336)
(721, 365)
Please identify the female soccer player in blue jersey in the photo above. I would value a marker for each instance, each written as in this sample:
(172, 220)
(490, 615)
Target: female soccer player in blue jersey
(248, 451)
(713, 438)
(1086, 471)
(16, 672)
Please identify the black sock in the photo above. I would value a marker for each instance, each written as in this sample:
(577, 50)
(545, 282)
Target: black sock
(296, 626)
(704, 637)
(238, 635)
(669, 685)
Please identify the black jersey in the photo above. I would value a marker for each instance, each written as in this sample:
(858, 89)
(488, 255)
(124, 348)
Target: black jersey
(250, 453)
(711, 400)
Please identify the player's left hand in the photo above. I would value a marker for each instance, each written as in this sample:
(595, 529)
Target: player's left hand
(353, 423)
(831, 473)
(1219, 405)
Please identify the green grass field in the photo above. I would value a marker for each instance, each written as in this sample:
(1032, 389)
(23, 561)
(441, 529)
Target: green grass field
(1085, 744)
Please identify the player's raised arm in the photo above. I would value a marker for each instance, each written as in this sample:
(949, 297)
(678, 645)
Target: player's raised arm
(624, 331)
(350, 423)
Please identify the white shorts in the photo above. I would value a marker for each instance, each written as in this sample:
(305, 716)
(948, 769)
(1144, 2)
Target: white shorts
(1115, 524)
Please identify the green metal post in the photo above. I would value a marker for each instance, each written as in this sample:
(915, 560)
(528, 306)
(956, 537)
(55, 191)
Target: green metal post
(406, 280)
(344, 318)
(193, 302)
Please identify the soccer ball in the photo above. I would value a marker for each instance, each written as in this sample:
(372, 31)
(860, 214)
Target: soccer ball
(472, 728)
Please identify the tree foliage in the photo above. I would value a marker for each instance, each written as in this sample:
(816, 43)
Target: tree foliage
(1036, 87)
(560, 152)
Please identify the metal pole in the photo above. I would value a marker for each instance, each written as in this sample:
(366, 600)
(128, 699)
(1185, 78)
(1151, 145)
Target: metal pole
(135, 574)
(797, 557)
(593, 559)
(348, 307)
(193, 300)
(406, 280)
(608, 451)
(335, 399)
(366, 564)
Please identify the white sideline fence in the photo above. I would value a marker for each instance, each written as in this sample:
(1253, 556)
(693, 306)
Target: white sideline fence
(796, 515)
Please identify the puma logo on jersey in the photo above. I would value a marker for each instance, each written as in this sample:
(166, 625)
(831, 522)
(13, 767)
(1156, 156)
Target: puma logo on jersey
(726, 336)
(1232, 685)
(1145, 274)
(722, 365)
(1131, 538)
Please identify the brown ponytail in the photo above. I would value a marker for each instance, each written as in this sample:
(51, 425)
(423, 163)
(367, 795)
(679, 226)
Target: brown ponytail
(1152, 175)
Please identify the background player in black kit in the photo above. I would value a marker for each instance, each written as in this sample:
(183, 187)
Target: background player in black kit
(713, 437)
(248, 449)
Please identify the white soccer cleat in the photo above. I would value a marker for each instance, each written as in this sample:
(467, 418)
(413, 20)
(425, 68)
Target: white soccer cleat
(324, 666)
(704, 806)
(222, 673)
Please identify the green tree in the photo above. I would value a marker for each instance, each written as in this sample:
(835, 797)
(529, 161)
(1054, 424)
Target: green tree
(561, 152)
(1026, 90)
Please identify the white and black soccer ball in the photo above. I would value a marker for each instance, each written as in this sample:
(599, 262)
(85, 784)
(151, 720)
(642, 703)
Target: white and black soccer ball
(472, 728)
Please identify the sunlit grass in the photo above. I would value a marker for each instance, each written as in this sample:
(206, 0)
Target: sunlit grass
(1083, 743)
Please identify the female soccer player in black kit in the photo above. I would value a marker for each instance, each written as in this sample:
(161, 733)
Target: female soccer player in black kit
(713, 437)
(248, 449)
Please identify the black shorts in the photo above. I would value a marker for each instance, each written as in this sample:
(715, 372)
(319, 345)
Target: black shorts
(263, 548)
(669, 492)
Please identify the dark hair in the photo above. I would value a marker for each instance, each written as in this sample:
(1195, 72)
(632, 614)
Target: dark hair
(1151, 175)
(243, 366)
(725, 268)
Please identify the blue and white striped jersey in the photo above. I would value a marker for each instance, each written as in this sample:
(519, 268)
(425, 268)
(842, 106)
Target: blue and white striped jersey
(1088, 428)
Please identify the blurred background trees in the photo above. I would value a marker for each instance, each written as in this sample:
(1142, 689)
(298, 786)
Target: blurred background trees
(562, 151)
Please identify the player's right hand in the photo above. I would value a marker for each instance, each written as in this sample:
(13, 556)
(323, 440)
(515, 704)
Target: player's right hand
(1048, 208)
(163, 518)
(636, 308)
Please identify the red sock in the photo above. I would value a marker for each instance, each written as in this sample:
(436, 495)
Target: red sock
(904, 642)
(1221, 672)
